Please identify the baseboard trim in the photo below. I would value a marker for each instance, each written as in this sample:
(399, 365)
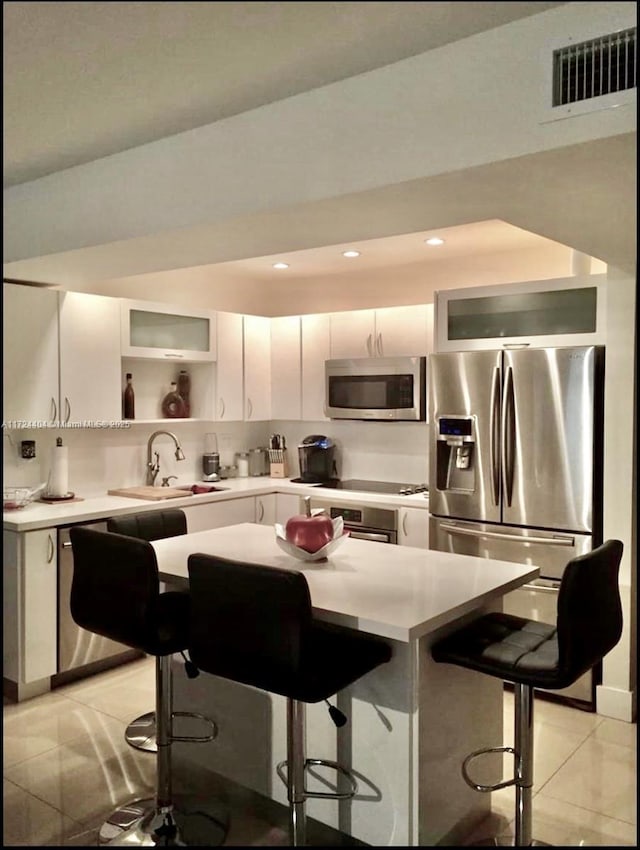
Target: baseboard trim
(620, 705)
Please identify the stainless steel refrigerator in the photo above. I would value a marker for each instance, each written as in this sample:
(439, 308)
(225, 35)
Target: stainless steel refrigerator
(515, 465)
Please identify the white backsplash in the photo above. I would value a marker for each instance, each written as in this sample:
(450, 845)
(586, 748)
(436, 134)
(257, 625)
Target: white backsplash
(377, 451)
(101, 459)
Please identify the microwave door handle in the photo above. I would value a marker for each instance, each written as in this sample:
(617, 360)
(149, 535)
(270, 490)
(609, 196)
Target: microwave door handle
(512, 538)
(494, 427)
(508, 435)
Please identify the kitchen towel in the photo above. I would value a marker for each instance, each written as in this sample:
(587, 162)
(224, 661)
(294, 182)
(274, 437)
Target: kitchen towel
(58, 484)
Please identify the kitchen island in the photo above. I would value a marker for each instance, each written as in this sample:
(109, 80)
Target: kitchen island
(411, 721)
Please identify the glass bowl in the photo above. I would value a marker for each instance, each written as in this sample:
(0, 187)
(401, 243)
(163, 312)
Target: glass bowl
(15, 497)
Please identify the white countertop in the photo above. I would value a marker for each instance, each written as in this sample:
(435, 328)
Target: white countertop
(397, 592)
(40, 515)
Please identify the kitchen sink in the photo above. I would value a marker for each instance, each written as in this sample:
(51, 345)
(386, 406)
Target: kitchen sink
(198, 489)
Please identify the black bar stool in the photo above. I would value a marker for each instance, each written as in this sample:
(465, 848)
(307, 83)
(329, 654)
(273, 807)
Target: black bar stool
(254, 625)
(537, 655)
(115, 592)
(148, 525)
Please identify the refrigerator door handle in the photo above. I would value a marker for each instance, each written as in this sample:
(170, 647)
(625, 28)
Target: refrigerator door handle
(555, 540)
(494, 460)
(508, 435)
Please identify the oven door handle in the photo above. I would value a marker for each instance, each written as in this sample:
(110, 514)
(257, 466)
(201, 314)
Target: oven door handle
(368, 535)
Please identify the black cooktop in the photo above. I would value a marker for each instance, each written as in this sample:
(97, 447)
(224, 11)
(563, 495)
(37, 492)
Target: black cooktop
(376, 486)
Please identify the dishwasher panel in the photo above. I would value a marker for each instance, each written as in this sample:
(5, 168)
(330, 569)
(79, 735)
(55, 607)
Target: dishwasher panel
(76, 646)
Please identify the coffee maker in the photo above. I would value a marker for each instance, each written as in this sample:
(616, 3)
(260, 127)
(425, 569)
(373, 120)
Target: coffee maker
(210, 458)
(316, 456)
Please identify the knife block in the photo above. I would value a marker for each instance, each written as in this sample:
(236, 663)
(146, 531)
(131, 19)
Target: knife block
(278, 466)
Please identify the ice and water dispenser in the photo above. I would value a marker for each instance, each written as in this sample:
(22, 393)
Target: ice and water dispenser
(455, 453)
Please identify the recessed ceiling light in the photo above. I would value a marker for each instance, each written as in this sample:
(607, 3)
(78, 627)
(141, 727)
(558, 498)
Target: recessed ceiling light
(351, 253)
(434, 240)
(281, 265)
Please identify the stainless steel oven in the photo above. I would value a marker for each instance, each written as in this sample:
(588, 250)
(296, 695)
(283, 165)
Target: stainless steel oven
(363, 522)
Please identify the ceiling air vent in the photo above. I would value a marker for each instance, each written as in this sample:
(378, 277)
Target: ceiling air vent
(593, 68)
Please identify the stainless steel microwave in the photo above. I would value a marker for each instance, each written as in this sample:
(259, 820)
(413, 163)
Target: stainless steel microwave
(383, 388)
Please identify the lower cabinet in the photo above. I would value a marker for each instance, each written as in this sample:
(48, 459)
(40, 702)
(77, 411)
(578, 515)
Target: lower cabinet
(219, 514)
(29, 584)
(413, 527)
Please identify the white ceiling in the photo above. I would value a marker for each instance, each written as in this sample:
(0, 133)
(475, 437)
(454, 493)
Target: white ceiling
(84, 80)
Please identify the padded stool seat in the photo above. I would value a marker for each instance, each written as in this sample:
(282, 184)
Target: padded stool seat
(115, 592)
(531, 654)
(147, 525)
(254, 625)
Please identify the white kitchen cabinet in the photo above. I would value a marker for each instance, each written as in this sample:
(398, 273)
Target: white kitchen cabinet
(286, 373)
(540, 313)
(257, 368)
(413, 527)
(316, 348)
(30, 355)
(61, 356)
(265, 509)
(163, 332)
(219, 514)
(30, 586)
(287, 505)
(385, 332)
(243, 372)
(90, 367)
(229, 368)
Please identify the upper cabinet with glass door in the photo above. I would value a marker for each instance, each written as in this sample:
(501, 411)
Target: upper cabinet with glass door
(162, 332)
(536, 314)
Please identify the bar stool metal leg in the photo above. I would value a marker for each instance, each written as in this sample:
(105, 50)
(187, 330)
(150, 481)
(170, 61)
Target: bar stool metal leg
(523, 695)
(295, 772)
(157, 822)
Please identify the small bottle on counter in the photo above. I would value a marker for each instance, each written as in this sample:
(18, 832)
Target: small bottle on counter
(128, 399)
(242, 462)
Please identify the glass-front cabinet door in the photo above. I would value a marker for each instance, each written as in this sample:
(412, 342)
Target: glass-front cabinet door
(536, 314)
(159, 331)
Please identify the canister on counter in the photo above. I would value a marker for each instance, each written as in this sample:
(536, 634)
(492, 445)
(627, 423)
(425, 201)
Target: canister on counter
(242, 463)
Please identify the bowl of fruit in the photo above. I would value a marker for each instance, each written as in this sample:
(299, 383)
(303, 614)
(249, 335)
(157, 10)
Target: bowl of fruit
(311, 536)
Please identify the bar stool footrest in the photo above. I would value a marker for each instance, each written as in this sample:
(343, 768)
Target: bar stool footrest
(486, 788)
(196, 739)
(281, 769)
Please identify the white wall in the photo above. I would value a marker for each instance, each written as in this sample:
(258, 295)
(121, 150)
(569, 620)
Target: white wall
(616, 697)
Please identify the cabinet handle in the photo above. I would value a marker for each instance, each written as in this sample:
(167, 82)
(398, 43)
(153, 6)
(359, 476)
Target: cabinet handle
(67, 405)
(221, 408)
(379, 344)
(369, 345)
(404, 524)
(52, 549)
(261, 506)
(173, 355)
(54, 409)
(249, 409)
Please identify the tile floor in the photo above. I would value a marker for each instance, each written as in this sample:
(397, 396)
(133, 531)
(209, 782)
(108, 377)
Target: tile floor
(66, 766)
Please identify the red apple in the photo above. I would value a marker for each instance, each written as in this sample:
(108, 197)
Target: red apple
(309, 532)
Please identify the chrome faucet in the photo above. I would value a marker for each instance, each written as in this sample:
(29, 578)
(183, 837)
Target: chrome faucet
(153, 467)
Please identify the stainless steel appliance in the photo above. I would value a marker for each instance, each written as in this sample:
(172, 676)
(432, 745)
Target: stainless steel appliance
(210, 458)
(363, 522)
(317, 461)
(258, 462)
(383, 388)
(515, 465)
(77, 647)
